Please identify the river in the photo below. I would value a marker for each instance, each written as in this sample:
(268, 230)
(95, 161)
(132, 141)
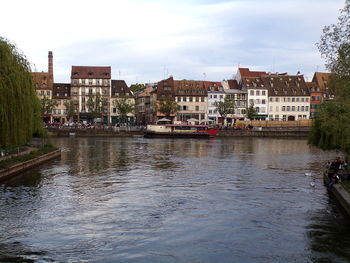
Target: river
(174, 200)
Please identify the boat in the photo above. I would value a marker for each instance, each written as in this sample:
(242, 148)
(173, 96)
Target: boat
(180, 131)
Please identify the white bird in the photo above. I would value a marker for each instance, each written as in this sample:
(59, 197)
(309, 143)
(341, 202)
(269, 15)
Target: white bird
(308, 174)
(312, 184)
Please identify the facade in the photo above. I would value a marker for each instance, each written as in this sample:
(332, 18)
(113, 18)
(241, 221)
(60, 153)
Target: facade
(289, 97)
(215, 94)
(257, 96)
(121, 92)
(317, 96)
(191, 97)
(61, 95)
(44, 83)
(144, 105)
(88, 84)
(240, 98)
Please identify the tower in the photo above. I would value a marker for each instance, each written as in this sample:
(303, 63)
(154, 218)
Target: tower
(51, 63)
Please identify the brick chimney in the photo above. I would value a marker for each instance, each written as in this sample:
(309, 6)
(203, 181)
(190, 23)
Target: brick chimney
(50, 62)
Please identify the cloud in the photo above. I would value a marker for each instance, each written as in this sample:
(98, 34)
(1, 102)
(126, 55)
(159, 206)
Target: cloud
(146, 39)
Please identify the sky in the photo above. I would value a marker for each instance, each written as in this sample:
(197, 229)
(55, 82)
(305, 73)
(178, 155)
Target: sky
(149, 40)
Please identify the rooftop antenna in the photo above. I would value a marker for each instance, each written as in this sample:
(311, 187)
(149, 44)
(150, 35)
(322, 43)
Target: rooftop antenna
(119, 74)
(204, 76)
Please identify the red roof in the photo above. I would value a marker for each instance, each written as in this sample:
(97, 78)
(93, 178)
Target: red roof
(89, 72)
(245, 72)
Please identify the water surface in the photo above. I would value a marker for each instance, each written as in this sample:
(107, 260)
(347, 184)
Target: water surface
(174, 200)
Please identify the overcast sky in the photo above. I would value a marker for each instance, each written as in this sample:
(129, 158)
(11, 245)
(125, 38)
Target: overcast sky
(148, 40)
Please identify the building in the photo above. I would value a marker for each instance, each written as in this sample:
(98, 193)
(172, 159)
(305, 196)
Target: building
(60, 95)
(191, 97)
(289, 97)
(43, 82)
(91, 88)
(215, 94)
(317, 96)
(144, 105)
(122, 93)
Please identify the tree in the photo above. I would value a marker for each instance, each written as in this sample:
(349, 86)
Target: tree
(251, 111)
(331, 128)
(70, 109)
(19, 106)
(96, 105)
(136, 87)
(225, 107)
(167, 107)
(47, 105)
(124, 107)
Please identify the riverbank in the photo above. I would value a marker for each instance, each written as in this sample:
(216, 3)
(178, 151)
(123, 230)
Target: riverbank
(13, 166)
(342, 196)
(294, 133)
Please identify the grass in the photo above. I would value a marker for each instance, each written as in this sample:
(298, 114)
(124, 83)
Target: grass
(32, 155)
(346, 185)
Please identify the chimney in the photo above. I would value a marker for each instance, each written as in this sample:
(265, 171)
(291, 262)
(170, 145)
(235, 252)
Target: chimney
(50, 62)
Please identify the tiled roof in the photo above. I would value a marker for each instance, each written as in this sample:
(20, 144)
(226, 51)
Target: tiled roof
(120, 89)
(245, 72)
(278, 85)
(89, 72)
(190, 88)
(321, 79)
(233, 84)
(42, 80)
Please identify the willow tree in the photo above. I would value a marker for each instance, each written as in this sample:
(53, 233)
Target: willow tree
(19, 105)
(331, 129)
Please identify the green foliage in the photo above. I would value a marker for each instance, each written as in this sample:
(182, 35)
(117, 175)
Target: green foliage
(19, 106)
(124, 107)
(70, 109)
(167, 107)
(47, 148)
(331, 128)
(251, 111)
(334, 43)
(225, 107)
(47, 105)
(96, 105)
(136, 87)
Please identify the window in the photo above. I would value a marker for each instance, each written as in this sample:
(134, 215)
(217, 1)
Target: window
(307, 99)
(257, 101)
(184, 108)
(257, 93)
(302, 99)
(263, 92)
(271, 108)
(202, 99)
(57, 94)
(215, 96)
(90, 81)
(284, 117)
(293, 99)
(277, 109)
(197, 99)
(313, 98)
(302, 108)
(251, 93)
(263, 101)
(283, 108)
(190, 99)
(277, 117)
(210, 111)
(83, 81)
(184, 99)
(221, 96)
(114, 110)
(288, 108)
(197, 108)
(297, 100)
(318, 98)
(293, 108)
(306, 108)
(277, 99)
(271, 99)
(251, 101)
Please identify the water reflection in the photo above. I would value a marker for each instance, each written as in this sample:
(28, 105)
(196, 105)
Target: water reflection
(183, 200)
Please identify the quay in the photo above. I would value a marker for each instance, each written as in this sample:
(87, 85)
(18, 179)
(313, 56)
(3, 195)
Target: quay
(293, 133)
(15, 169)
